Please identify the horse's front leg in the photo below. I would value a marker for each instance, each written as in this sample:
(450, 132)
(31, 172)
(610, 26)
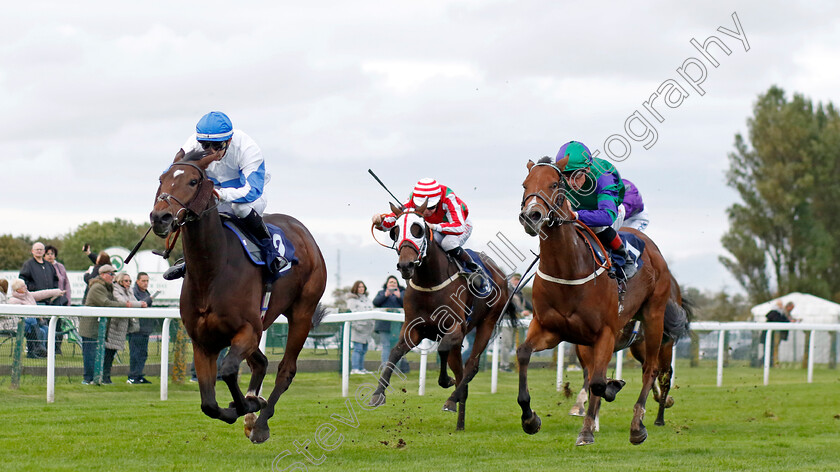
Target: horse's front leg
(409, 337)
(258, 363)
(601, 353)
(482, 336)
(205, 371)
(243, 344)
(536, 340)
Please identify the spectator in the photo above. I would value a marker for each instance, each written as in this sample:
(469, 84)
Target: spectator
(7, 323)
(98, 261)
(391, 296)
(39, 274)
(36, 328)
(138, 338)
(50, 254)
(780, 314)
(361, 332)
(101, 293)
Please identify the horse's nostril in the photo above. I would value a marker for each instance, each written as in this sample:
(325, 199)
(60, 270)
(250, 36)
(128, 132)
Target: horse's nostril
(534, 216)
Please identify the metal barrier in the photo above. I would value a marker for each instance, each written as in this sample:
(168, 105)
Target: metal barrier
(168, 314)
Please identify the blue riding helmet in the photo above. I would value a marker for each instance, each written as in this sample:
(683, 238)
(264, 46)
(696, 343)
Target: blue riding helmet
(214, 126)
(578, 154)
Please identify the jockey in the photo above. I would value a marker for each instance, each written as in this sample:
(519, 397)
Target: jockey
(447, 217)
(239, 176)
(596, 191)
(635, 215)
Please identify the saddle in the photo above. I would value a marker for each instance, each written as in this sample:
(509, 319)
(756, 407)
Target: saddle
(284, 247)
(634, 245)
(484, 290)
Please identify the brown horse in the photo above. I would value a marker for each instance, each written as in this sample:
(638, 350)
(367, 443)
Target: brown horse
(441, 306)
(578, 302)
(222, 292)
(678, 315)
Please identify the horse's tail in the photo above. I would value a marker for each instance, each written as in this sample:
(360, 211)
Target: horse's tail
(318, 316)
(678, 318)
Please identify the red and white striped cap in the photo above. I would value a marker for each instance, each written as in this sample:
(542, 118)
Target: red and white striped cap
(427, 188)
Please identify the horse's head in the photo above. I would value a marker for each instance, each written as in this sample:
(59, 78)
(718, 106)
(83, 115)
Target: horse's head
(411, 239)
(544, 199)
(184, 192)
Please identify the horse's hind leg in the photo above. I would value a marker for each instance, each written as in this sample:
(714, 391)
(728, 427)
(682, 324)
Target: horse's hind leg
(444, 380)
(300, 321)
(664, 378)
(653, 341)
(579, 408)
(205, 371)
(451, 404)
(483, 333)
(257, 362)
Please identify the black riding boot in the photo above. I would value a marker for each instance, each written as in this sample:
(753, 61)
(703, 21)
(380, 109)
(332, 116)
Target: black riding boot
(628, 268)
(612, 242)
(479, 280)
(274, 261)
(176, 271)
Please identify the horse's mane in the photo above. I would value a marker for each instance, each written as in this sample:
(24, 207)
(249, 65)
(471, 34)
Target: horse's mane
(545, 160)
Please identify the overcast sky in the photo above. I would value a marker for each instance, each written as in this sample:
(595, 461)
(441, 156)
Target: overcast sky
(97, 97)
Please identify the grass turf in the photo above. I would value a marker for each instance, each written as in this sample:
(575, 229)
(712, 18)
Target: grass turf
(788, 425)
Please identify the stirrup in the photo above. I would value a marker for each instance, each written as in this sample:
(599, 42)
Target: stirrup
(277, 264)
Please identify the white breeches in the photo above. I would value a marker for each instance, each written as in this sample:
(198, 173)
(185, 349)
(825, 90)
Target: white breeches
(451, 241)
(638, 221)
(242, 209)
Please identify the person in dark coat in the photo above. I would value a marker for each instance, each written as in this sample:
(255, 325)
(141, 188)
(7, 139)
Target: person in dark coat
(391, 296)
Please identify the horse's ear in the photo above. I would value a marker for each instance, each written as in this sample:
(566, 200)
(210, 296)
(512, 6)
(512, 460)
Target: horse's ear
(422, 208)
(530, 164)
(207, 159)
(561, 164)
(179, 155)
(396, 210)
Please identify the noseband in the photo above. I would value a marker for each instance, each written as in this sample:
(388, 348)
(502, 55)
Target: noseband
(554, 217)
(196, 207)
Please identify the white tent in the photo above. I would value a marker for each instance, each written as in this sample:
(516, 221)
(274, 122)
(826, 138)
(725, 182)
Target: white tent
(809, 309)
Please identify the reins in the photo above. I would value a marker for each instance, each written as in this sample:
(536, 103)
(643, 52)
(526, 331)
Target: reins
(193, 210)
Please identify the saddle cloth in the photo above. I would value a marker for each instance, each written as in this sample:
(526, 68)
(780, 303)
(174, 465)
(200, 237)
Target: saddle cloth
(278, 238)
(478, 260)
(634, 245)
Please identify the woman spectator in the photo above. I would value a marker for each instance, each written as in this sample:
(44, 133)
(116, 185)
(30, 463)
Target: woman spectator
(50, 254)
(98, 261)
(36, 329)
(391, 296)
(361, 332)
(102, 294)
(7, 323)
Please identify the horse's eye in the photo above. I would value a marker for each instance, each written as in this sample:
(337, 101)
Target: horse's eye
(554, 185)
(193, 182)
(394, 232)
(416, 230)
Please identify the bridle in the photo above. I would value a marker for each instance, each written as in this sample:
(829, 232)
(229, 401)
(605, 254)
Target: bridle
(197, 206)
(553, 217)
(405, 240)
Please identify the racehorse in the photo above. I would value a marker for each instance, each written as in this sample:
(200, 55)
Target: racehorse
(678, 315)
(222, 291)
(576, 301)
(441, 306)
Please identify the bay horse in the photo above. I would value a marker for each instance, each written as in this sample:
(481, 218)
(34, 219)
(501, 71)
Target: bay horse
(441, 306)
(678, 315)
(576, 301)
(222, 292)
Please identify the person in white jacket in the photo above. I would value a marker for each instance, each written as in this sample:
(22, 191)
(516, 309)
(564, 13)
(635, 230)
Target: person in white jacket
(361, 332)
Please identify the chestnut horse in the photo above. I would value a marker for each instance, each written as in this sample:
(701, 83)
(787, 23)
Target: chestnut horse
(678, 315)
(222, 292)
(441, 306)
(576, 301)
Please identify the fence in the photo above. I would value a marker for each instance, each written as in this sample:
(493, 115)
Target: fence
(167, 314)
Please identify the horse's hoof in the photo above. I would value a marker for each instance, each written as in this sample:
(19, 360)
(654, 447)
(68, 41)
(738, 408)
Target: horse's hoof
(638, 437)
(450, 406)
(450, 382)
(613, 387)
(259, 436)
(532, 425)
(250, 421)
(260, 401)
(577, 411)
(377, 399)
(669, 402)
(659, 422)
(585, 439)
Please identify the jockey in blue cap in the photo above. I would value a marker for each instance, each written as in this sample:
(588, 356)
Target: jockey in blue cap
(239, 176)
(595, 192)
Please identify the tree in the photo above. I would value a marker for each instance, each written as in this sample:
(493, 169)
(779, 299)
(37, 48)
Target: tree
(14, 251)
(781, 232)
(101, 235)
